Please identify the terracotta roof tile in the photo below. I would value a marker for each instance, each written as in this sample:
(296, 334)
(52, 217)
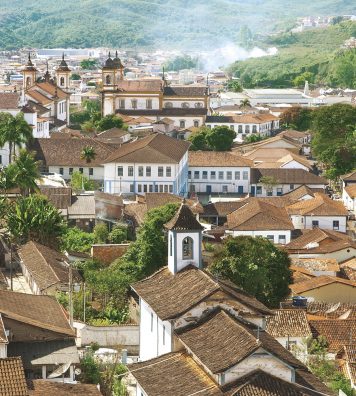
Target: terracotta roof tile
(288, 322)
(319, 281)
(12, 377)
(217, 158)
(351, 190)
(9, 100)
(154, 200)
(287, 176)
(184, 220)
(185, 91)
(48, 388)
(139, 85)
(222, 208)
(332, 310)
(321, 205)
(300, 192)
(317, 264)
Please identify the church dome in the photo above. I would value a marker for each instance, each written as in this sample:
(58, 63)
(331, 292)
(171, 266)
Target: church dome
(109, 64)
(63, 65)
(117, 62)
(29, 65)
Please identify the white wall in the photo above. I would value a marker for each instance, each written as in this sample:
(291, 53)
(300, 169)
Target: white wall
(294, 165)
(98, 171)
(350, 203)
(282, 188)
(325, 222)
(217, 184)
(141, 102)
(3, 351)
(152, 341)
(340, 255)
(276, 234)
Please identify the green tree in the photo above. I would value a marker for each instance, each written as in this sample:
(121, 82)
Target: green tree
(101, 233)
(80, 182)
(268, 183)
(181, 62)
(25, 172)
(300, 80)
(89, 64)
(109, 121)
(34, 218)
(76, 240)
(299, 118)
(220, 138)
(15, 131)
(334, 138)
(234, 86)
(75, 77)
(88, 154)
(198, 139)
(343, 72)
(118, 234)
(254, 138)
(255, 265)
(244, 103)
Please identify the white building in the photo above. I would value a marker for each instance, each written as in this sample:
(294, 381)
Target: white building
(218, 172)
(156, 163)
(349, 197)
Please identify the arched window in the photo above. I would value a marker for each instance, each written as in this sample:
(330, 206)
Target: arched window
(187, 248)
(185, 105)
(168, 105)
(28, 81)
(198, 105)
(108, 80)
(61, 81)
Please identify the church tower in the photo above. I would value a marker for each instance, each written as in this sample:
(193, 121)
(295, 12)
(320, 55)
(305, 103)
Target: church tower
(29, 73)
(109, 74)
(118, 64)
(62, 75)
(184, 240)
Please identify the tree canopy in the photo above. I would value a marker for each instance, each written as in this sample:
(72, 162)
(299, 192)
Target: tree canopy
(109, 121)
(220, 138)
(255, 265)
(299, 118)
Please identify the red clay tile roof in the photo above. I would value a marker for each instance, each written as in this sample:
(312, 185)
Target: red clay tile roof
(319, 281)
(40, 311)
(321, 205)
(332, 310)
(9, 100)
(222, 208)
(351, 190)
(184, 220)
(338, 332)
(217, 158)
(258, 215)
(60, 197)
(12, 377)
(317, 264)
(185, 90)
(300, 192)
(140, 85)
(287, 176)
(48, 388)
(156, 148)
(172, 295)
(350, 176)
(154, 200)
(173, 374)
(288, 322)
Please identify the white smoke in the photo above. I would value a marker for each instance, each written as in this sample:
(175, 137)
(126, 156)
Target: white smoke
(230, 53)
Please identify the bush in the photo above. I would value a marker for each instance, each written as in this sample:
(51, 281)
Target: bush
(101, 233)
(90, 369)
(77, 240)
(118, 234)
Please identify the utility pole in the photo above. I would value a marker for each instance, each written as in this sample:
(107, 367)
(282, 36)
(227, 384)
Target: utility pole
(11, 280)
(70, 296)
(84, 302)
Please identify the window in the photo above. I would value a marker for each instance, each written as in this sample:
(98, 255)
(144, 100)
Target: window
(81, 170)
(150, 187)
(189, 174)
(122, 103)
(232, 127)
(336, 224)
(315, 223)
(181, 124)
(134, 103)
(270, 238)
(91, 171)
(108, 79)
(192, 188)
(139, 188)
(161, 188)
(237, 175)
(269, 193)
(140, 171)
(168, 171)
(187, 248)
(62, 81)
(148, 103)
(151, 321)
(156, 187)
(145, 188)
(224, 189)
(185, 105)
(282, 239)
(196, 174)
(61, 171)
(229, 175)
(160, 171)
(165, 188)
(245, 175)
(221, 175)
(120, 171)
(132, 188)
(130, 171)
(212, 175)
(168, 105)
(247, 128)
(240, 129)
(171, 188)
(198, 105)
(204, 175)
(163, 335)
(148, 171)
(258, 190)
(254, 128)
(291, 186)
(196, 124)
(70, 171)
(279, 191)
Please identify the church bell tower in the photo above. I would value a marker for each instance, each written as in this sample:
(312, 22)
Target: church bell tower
(29, 73)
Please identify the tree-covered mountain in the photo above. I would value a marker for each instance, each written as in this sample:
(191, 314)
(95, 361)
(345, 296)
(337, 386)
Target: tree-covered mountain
(149, 23)
(315, 54)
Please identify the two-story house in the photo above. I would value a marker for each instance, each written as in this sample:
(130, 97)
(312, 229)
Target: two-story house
(156, 163)
(218, 172)
(204, 334)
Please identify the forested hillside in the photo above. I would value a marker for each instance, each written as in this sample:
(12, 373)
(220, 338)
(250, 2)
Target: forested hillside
(315, 54)
(149, 23)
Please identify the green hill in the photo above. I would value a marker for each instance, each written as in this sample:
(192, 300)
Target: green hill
(317, 51)
(149, 23)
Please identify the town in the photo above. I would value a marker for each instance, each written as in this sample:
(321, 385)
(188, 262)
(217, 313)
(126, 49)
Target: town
(169, 229)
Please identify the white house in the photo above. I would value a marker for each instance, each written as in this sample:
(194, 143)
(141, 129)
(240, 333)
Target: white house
(349, 197)
(321, 212)
(246, 124)
(156, 163)
(218, 172)
(260, 218)
(205, 335)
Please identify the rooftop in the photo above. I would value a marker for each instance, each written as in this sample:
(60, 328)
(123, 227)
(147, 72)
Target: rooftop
(183, 220)
(320, 281)
(288, 322)
(40, 387)
(216, 158)
(320, 205)
(12, 377)
(287, 176)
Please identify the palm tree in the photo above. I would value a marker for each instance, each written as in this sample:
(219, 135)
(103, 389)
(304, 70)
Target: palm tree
(26, 171)
(245, 103)
(88, 154)
(15, 131)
